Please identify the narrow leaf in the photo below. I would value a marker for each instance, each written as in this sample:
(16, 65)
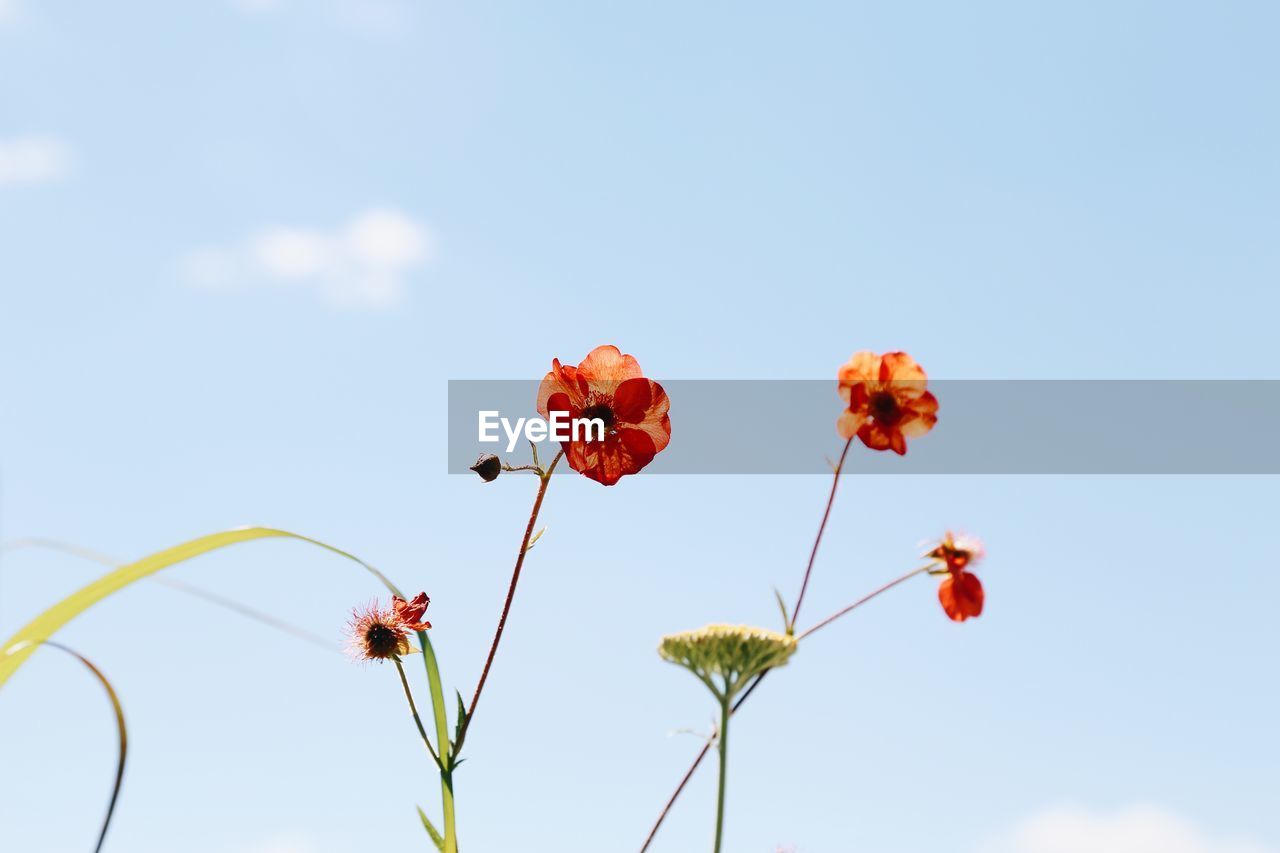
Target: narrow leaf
(462, 717)
(534, 540)
(436, 837)
(782, 605)
(181, 586)
(15, 651)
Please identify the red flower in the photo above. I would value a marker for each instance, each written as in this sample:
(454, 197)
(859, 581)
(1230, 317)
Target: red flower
(611, 387)
(961, 592)
(410, 613)
(887, 400)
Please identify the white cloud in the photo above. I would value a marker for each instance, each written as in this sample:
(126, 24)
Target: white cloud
(33, 159)
(1134, 830)
(364, 264)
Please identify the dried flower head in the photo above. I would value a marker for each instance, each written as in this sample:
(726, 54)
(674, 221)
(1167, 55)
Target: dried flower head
(377, 633)
(961, 592)
(610, 387)
(887, 401)
(488, 467)
(734, 653)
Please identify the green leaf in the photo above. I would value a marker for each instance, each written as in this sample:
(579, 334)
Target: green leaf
(782, 605)
(15, 651)
(436, 837)
(457, 728)
(534, 540)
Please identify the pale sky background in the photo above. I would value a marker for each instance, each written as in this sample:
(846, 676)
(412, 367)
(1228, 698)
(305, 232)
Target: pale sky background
(246, 244)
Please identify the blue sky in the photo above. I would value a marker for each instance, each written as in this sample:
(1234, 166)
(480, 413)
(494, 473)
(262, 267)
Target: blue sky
(246, 244)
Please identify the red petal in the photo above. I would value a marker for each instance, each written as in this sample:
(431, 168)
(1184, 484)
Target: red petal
(962, 596)
(632, 399)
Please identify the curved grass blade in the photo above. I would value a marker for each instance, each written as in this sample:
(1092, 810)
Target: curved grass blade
(18, 648)
(175, 584)
(121, 729)
(21, 645)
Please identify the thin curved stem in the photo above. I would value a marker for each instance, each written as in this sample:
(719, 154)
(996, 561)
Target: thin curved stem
(121, 729)
(861, 601)
(544, 480)
(817, 540)
(413, 709)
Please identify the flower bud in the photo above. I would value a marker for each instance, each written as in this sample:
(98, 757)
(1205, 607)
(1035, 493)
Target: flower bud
(488, 467)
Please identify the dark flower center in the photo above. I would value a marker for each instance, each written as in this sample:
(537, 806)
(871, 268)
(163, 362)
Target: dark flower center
(599, 412)
(381, 641)
(884, 406)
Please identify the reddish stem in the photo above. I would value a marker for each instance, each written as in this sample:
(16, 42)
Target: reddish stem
(653, 833)
(804, 586)
(817, 540)
(544, 480)
(861, 601)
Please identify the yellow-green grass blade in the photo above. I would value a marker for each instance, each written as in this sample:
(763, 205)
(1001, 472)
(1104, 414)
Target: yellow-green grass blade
(184, 587)
(15, 651)
(121, 729)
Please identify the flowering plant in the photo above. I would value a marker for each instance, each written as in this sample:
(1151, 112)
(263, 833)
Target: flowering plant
(886, 402)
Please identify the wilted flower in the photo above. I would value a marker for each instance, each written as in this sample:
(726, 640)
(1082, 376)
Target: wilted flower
(735, 653)
(887, 401)
(961, 592)
(378, 634)
(608, 386)
(410, 612)
(488, 467)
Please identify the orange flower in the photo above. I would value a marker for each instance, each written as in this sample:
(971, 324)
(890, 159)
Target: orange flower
(611, 387)
(887, 400)
(410, 613)
(961, 592)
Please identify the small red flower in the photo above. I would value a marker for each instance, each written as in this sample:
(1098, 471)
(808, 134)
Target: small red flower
(961, 592)
(887, 401)
(410, 613)
(611, 387)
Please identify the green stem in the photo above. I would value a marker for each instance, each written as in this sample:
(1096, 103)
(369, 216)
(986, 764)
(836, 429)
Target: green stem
(442, 738)
(723, 739)
(413, 709)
